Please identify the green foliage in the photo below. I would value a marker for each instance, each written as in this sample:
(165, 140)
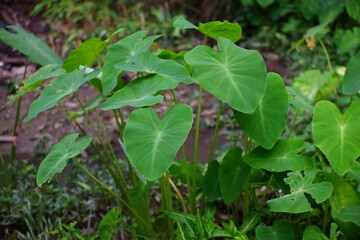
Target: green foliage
(351, 83)
(28, 44)
(109, 223)
(281, 230)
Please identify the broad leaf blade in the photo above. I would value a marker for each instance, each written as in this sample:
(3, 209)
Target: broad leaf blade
(250, 222)
(351, 83)
(118, 53)
(54, 92)
(211, 181)
(182, 23)
(85, 55)
(233, 173)
(282, 157)
(152, 143)
(337, 135)
(28, 44)
(234, 75)
(350, 214)
(59, 155)
(267, 123)
(108, 224)
(140, 92)
(280, 230)
(313, 233)
(226, 29)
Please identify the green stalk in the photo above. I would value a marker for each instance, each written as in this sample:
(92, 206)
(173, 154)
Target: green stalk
(293, 123)
(213, 143)
(16, 124)
(326, 216)
(266, 189)
(121, 133)
(326, 55)
(3, 168)
(196, 149)
(167, 202)
(246, 200)
(136, 214)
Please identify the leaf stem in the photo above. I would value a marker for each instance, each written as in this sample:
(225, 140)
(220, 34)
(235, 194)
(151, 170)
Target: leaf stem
(293, 123)
(265, 191)
(167, 201)
(326, 55)
(121, 133)
(213, 143)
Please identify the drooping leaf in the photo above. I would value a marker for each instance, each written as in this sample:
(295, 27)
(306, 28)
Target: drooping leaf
(211, 182)
(149, 63)
(351, 83)
(250, 222)
(181, 168)
(108, 224)
(315, 85)
(54, 92)
(152, 143)
(280, 230)
(118, 53)
(226, 29)
(296, 202)
(234, 75)
(35, 80)
(314, 233)
(282, 157)
(297, 99)
(337, 135)
(140, 92)
(182, 23)
(350, 214)
(91, 105)
(353, 9)
(59, 155)
(85, 55)
(30, 45)
(347, 40)
(233, 173)
(268, 121)
(343, 196)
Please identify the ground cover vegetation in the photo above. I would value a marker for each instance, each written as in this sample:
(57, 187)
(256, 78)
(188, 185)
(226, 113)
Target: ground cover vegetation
(293, 173)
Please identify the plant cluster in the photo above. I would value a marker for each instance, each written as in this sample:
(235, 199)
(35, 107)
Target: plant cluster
(274, 184)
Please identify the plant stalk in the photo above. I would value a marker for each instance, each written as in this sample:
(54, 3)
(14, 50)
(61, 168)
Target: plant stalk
(213, 143)
(326, 55)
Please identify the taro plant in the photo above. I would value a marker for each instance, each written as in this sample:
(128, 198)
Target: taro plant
(272, 184)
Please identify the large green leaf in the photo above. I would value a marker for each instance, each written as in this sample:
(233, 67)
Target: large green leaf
(211, 182)
(118, 53)
(282, 157)
(35, 80)
(344, 195)
(28, 44)
(353, 9)
(109, 223)
(337, 135)
(350, 214)
(234, 75)
(316, 85)
(233, 173)
(59, 155)
(54, 92)
(314, 233)
(266, 124)
(280, 230)
(85, 55)
(216, 29)
(140, 92)
(149, 63)
(351, 83)
(152, 143)
(296, 202)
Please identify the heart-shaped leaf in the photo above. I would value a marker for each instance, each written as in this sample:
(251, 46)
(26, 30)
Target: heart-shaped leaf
(35, 80)
(280, 230)
(351, 84)
(282, 157)
(140, 92)
(234, 75)
(266, 124)
(152, 143)
(226, 29)
(314, 233)
(149, 63)
(54, 92)
(28, 44)
(337, 135)
(211, 181)
(233, 173)
(296, 202)
(85, 55)
(119, 53)
(59, 155)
